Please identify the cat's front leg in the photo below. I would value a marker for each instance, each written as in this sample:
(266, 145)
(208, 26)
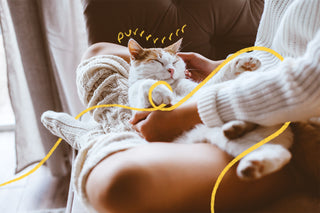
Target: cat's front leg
(136, 96)
(263, 161)
(236, 129)
(234, 68)
(184, 86)
(139, 94)
(161, 95)
(243, 64)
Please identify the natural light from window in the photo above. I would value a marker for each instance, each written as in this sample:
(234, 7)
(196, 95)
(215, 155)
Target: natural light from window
(6, 114)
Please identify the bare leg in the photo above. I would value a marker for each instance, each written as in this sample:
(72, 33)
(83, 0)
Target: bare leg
(104, 48)
(166, 177)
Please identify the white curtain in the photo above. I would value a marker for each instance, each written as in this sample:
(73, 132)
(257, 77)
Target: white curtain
(44, 41)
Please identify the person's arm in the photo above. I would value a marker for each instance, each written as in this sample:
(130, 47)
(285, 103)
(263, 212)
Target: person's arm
(164, 125)
(198, 66)
(291, 92)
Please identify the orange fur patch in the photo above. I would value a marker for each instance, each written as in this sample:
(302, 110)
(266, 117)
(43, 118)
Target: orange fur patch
(150, 54)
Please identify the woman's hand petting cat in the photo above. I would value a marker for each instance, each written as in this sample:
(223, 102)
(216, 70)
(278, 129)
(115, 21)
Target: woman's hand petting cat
(165, 126)
(198, 66)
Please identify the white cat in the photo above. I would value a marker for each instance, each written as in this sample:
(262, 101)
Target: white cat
(151, 65)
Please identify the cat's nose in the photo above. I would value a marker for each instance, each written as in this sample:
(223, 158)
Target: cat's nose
(171, 71)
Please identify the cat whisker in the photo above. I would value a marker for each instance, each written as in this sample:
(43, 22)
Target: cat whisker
(185, 45)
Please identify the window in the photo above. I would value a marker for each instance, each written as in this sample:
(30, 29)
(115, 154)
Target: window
(6, 113)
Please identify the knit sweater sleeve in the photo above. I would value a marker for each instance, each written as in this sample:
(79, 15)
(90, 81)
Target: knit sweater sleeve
(290, 92)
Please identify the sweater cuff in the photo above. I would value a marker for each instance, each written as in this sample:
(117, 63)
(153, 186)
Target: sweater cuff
(207, 108)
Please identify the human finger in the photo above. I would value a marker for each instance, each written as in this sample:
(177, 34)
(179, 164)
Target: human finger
(188, 74)
(186, 56)
(139, 116)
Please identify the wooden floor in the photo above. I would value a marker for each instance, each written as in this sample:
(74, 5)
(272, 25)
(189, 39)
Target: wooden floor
(39, 192)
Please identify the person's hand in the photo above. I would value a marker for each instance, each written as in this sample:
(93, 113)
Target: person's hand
(165, 126)
(198, 66)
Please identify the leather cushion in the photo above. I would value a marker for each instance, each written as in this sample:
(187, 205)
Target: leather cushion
(214, 28)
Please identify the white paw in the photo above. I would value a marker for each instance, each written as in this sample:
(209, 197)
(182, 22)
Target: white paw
(250, 170)
(236, 129)
(244, 64)
(259, 164)
(162, 95)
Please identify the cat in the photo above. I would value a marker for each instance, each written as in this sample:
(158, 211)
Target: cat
(149, 65)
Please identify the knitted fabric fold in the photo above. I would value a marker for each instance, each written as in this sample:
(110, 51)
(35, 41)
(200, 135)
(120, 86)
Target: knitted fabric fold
(103, 80)
(99, 147)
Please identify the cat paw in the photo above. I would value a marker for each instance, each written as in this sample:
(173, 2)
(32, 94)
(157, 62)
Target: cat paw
(162, 95)
(244, 64)
(250, 170)
(262, 162)
(236, 129)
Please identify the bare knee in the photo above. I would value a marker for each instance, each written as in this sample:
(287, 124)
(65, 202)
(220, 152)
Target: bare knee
(105, 48)
(96, 49)
(120, 189)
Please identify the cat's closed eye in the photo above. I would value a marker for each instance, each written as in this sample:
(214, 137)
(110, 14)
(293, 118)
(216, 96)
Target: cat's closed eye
(156, 60)
(176, 61)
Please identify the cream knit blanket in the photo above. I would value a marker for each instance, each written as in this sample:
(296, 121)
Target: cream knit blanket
(100, 80)
(104, 80)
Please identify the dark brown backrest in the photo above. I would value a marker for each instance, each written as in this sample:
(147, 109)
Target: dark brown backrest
(213, 28)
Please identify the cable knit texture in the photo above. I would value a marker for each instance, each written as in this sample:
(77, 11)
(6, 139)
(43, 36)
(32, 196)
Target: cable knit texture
(100, 80)
(103, 80)
(279, 91)
(69, 129)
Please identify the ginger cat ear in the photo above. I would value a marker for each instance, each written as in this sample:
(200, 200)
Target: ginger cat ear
(134, 48)
(174, 48)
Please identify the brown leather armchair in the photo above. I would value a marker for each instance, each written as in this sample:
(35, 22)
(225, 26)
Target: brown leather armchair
(213, 28)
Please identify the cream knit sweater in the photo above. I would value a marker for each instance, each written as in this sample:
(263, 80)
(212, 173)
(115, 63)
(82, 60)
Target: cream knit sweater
(283, 91)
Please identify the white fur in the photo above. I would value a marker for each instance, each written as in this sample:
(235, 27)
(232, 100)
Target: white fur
(264, 160)
(271, 156)
(143, 76)
(315, 121)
